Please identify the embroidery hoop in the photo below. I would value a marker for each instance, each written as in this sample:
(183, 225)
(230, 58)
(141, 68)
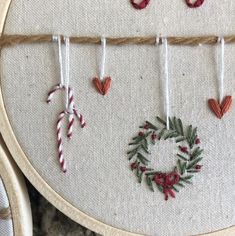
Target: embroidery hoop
(38, 181)
(17, 194)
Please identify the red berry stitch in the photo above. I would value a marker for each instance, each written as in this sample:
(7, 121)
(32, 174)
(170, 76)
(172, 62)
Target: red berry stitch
(143, 168)
(198, 141)
(183, 149)
(134, 165)
(146, 126)
(198, 167)
(141, 134)
(153, 137)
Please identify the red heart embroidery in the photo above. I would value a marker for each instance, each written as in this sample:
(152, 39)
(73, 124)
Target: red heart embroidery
(102, 87)
(140, 5)
(194, 4)
(220, 109)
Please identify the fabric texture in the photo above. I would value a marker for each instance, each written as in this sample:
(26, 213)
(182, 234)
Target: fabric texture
(6, 226)
(99, 181)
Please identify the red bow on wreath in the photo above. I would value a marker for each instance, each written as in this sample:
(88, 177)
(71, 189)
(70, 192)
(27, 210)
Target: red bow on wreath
(167, 181)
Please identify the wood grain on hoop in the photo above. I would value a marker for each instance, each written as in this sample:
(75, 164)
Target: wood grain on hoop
(42, 186)
(17, 193)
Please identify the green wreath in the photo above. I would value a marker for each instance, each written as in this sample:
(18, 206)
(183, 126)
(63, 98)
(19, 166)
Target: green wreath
(188, 156)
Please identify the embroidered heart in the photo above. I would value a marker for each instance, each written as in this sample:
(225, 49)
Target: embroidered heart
(194, 4)
(141, 5)
(102, 87)
(220, 109)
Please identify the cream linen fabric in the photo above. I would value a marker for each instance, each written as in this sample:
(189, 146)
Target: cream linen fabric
(99, 181)
(6, 226)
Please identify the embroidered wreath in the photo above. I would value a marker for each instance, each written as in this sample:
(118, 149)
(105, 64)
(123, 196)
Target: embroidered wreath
(188, 156)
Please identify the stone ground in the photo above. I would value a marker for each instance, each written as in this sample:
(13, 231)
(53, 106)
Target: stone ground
(48, 221)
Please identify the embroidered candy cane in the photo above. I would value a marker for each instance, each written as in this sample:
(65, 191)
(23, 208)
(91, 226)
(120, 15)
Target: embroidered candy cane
(53, 91)
(60, 142)
(80, 118)
(69, 101)
(71, 113)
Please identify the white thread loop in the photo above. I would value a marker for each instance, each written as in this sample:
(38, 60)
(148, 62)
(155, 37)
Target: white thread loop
(57, 38)
(157, 40)
(103, 58)
(221, 76)
(67, 70)
(166, 75)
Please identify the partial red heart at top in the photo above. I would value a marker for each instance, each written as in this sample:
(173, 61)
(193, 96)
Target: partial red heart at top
(220, 109)
(141, 5)
(103, 86)
(193, 3)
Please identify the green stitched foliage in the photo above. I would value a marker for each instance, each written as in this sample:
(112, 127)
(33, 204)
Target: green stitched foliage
(188, 156)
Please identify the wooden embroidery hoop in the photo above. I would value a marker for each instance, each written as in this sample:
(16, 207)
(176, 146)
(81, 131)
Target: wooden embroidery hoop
(37, 180)
(16, 192)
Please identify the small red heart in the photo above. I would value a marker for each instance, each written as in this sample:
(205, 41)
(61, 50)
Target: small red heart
(102, 87)
(220, 109)
(194, 4)
(141, 5)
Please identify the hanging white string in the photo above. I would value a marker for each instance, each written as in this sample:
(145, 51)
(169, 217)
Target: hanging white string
(221, 76)
(103, 58)
(57, 38)
(67, 69)
(166, 75)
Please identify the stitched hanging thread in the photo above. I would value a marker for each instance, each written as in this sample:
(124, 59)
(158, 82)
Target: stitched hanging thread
(166, 81)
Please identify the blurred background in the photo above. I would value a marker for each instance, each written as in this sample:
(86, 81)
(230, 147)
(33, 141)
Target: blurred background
(48, 221)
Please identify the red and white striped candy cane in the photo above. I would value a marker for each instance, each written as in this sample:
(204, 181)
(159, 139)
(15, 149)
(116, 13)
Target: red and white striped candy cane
(80, 118)
(70, 112)
(60, 142)
(53, 91)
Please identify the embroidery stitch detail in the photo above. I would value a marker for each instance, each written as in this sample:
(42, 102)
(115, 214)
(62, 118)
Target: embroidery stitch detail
(143, 4)
(102, 84)
(223, 105)
(220, 109)
(189, 156)
(196, 4)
